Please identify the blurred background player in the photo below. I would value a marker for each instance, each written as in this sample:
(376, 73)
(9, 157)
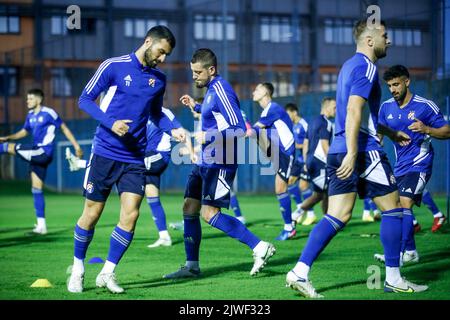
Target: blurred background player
(208, 186)
(42, 123)
(279, 148)
(421, 120)
(119, 147)
(356, 164)
(298, 185)
(368, 206)
(438, 217)
(315, 150)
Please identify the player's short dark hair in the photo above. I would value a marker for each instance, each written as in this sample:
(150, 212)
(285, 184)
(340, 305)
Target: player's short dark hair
(326, 100)
(291, 107)
(205, 56)
(269, 87)
(36, 92)
(360, 26)
(161, 32)
(396, 71)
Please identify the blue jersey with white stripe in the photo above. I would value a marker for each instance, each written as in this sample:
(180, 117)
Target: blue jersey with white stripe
(276, 120)
(157, 140)
(319, 129)
(42, 126)
(134, 92)
(418, 155)
(220, 113)
(358, 76)
(300, 129)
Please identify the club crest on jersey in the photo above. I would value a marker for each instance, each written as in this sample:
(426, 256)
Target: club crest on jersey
(128, 80)
(90, 187)
(40, 119)
(151, 82)
(411, 115)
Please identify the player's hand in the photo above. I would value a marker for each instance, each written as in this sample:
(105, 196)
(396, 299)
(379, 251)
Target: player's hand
(419, 126)
(79, 152)
(187, 100)
(347, 166)
(120, 127)
(4, 139)
(200, 137)
(179, 134)
(402, 138)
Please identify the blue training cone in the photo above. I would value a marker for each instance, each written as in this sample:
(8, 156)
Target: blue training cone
(96, 260)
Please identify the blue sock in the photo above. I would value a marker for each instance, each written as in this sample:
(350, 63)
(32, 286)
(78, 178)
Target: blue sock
(234, 228)
(373, 206)
(294, 192)
(306, 194)
(428, 201)
(366, 204)
(319, 238)
(234, 204)
(408, 242)
(4, 147)
(158, 213)
(82, 240)
(391, 236)
(119, 243)
(192, 237)
(39, 202)
(285, 207)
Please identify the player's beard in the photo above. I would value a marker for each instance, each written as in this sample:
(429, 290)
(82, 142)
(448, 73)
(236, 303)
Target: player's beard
(380, 52)
(401, 97)
(202, 84)
(149, 59)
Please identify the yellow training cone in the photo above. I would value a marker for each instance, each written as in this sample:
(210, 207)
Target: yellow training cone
(41, 283)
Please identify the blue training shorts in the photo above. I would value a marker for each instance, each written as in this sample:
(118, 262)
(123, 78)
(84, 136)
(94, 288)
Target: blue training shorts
(211, 186)
(102, 173)
(372, 177)
(412, 185)
(317, 174)
(36, 156)
(155, 165)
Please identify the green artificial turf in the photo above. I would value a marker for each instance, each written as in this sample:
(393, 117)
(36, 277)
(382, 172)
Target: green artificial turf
(341, 272)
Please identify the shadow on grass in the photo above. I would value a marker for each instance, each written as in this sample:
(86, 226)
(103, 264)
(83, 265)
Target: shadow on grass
(219, 270)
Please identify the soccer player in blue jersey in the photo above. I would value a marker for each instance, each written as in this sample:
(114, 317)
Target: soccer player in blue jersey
(298, 181)
(356, 163)
(41, 123)
(317, 144)
(135, 90)
(280, 150)
(422, 120)
(157, 158)
(208, 186)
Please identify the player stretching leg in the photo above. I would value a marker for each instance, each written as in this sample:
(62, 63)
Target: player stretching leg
(357, 164)
(41, 122)
(119, 147)
(208, 186)
(278, 126)
(316, 146)
(421, 119)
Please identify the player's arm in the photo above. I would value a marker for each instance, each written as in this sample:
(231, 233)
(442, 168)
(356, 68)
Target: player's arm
(305, 149)
(352, 125)
(22, 133)
(397, 136)
(99, 83)
(438, 133)
(69, 135)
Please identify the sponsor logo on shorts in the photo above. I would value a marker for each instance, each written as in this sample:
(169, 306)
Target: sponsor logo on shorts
(411, 115)
(90, 187)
